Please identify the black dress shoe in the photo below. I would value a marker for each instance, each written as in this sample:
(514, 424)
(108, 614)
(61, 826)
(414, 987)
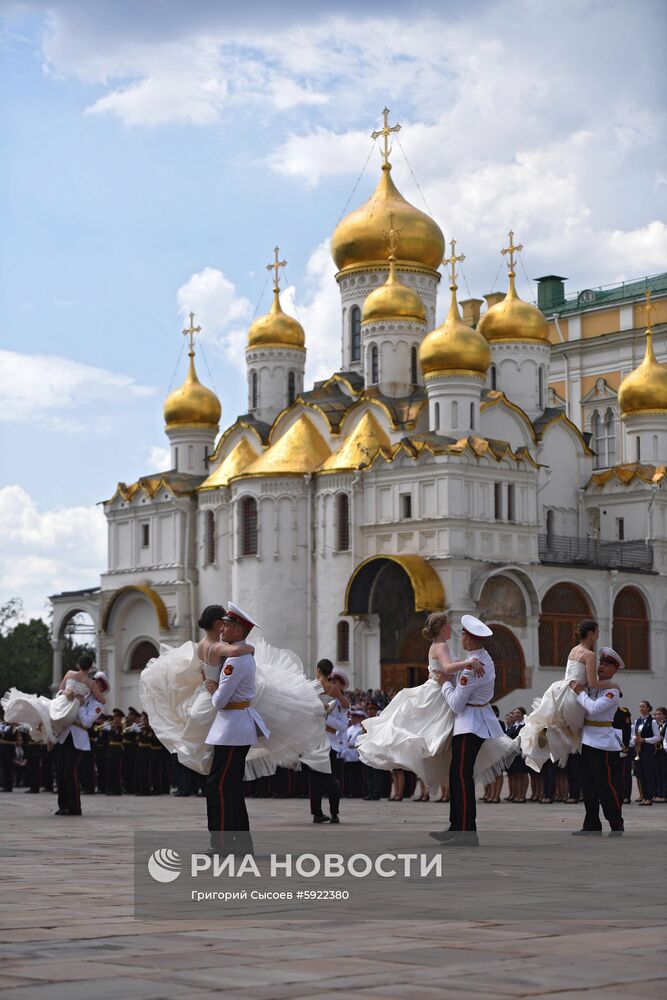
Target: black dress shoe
(587, 833)
(444, 835)
(334, 819)
(61, 812)
(321, 819)
(616, 833)
(466, 838)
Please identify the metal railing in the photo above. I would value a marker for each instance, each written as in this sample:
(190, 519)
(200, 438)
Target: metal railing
(569, 550)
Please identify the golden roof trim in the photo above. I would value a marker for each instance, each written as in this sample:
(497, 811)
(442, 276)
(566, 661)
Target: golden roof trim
(213, 457)
(153, 597)
(563, 418)
(239, 458)
(268, 346)
(497, 397)
(300, 450)
(426, 584)
(626, 473)
(368, 435)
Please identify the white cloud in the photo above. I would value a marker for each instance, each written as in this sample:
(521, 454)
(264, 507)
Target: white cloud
(45, 551)
(318, 311)
(223, 315)
(159, 459)
(61, 393)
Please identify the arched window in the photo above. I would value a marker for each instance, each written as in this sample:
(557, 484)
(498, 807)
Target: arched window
(191, 457)
(436, 416)
(655, 447)
(508, 660)
(253, 391)
(494, 377)
(630, 629)
(343, 522)
(291, 389)
(355, 333)
(472, 416)
(375, 366)
(413, 366)
(141, 654)
(550, 528)
(343, 642)
(455, 415)
(248, 526)
(209, 537)
(603, 439)
(638, 447)
(540, 387)
(563, 606)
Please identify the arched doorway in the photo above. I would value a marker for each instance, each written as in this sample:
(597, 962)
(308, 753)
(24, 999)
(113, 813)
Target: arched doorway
(563, 607)
(507, 655)
(400, 591)
(630, 629)
(141, 654)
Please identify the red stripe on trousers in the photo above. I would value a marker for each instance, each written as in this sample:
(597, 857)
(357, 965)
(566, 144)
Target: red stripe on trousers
(463, 787)
(77, 791)
(220, 792)
(611, 783)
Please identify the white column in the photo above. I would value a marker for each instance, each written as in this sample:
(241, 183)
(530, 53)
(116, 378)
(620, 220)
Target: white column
(58, 645)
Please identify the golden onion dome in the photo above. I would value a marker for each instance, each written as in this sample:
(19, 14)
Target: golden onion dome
(393, 300)
(192, 405)
(454, 348)
(276, 329)
(360, 237)
(644, 390)
(513, 319)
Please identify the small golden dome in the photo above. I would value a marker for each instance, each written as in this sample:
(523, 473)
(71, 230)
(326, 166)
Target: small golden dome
(192, 405)
(359, 238)
(276, 329)
(454, 348)
(393, 300)
(645, 389)
(514, 319)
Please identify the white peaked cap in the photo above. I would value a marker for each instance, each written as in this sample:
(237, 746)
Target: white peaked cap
(342, 674)
(613, 655)
(237, 614)
(100, 675)
(475, 626)
(359, 712)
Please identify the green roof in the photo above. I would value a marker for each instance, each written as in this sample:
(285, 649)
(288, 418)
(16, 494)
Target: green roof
(610, 295)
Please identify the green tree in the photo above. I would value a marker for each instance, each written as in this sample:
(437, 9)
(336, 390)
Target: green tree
(26, 657)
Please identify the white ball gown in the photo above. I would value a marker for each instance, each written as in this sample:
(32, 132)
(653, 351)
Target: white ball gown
(45, 717)
(414, 732)
(554, 727)
(181, 711)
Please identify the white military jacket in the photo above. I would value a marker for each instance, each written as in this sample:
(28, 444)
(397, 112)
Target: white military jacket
(236, 726)
(88, 712)
(601, 706)
(470, 699)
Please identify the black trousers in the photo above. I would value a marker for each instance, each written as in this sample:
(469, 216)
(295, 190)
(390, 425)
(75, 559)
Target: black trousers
(661, 773)
(548, 772)
(320, 784)
(601, 785)
(374, 781)
(7, 765)
(114, 771)
(67, 776)
(645, 770)
(34, 767)
(462, 805)
(225, 803)
(142, 771)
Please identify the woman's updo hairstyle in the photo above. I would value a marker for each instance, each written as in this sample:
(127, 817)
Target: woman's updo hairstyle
(433, 625)
(210, 615)
(585, 628)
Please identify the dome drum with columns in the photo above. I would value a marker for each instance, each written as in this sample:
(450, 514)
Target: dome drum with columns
(442, 466)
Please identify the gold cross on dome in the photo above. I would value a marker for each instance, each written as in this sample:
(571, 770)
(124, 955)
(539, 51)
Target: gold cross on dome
(275, 267)
(386, 131)
(649, 309)
(390, 237)
(190, 332)
(511, 250)
(452, 261)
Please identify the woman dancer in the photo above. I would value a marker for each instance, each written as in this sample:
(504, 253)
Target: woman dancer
(553, 729)
(173, 691)
(414, 731)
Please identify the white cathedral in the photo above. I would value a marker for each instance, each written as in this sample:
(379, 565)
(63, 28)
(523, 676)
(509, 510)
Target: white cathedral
(510, 463)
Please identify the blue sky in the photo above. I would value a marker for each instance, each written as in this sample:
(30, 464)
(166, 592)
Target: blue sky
(154, 153)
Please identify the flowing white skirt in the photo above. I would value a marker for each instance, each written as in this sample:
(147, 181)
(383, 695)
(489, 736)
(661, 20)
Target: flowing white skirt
(33, 711)
(415, 731)
(63, 712)
(181, 712)
(554, 727)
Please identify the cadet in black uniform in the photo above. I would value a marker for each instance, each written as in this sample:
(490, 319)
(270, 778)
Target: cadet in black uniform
(114, 763)
(130, 736)
(142, 763)
(7, 749)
